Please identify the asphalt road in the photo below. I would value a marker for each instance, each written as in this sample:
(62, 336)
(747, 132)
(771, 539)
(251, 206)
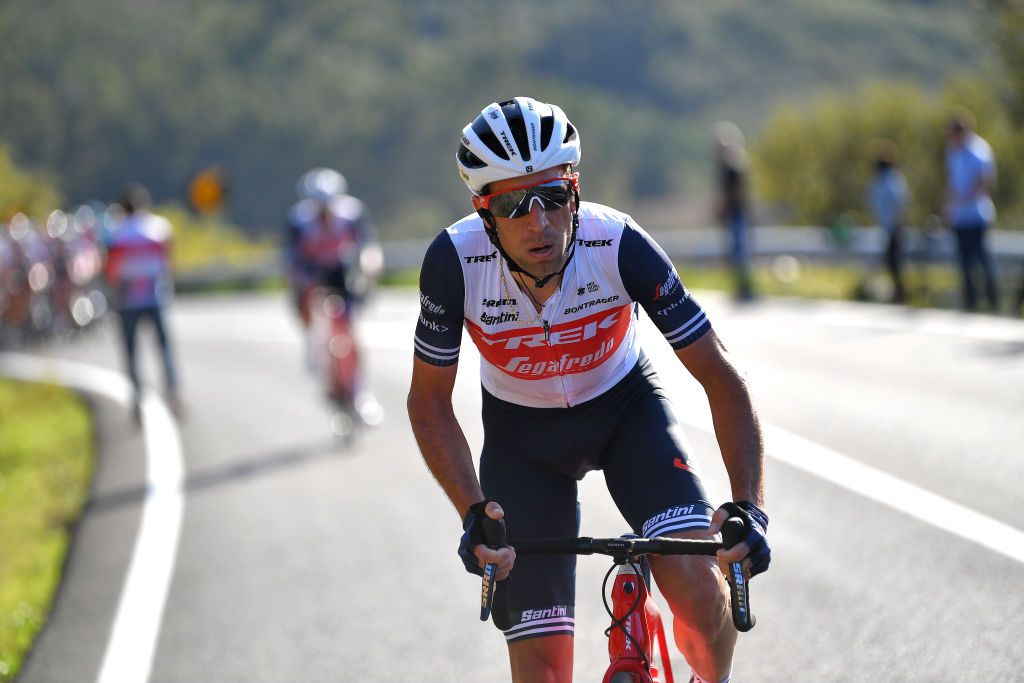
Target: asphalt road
(895, 438)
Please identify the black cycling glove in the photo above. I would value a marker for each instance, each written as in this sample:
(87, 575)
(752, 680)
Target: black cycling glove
(756, 522)
(472, 536)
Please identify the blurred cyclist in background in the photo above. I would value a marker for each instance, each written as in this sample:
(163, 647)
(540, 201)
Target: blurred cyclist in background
(139, 272)
(330, 245)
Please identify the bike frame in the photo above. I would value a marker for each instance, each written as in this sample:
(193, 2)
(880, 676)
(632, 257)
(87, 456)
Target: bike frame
(636, 626)
(335, 344)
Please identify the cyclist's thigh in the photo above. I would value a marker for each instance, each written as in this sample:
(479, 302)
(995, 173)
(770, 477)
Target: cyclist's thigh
(538, 597)
(650, 473)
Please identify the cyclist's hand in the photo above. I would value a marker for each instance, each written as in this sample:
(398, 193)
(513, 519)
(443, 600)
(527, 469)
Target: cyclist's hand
(472, 547)
(753, 551)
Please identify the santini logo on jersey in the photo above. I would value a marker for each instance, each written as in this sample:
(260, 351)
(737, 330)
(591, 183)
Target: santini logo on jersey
(534, 614)
(486, 258)
(488, 319)
(567, 348)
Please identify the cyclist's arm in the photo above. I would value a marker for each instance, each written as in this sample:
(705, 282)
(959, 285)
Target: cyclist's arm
(652, 280)
(439, 435)
(737, 427)
(437, 342)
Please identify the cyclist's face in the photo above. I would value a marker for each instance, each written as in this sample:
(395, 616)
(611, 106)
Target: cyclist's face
(539, 240)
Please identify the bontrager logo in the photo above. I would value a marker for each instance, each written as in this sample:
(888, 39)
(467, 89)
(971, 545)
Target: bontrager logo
(486, 258)
(534, 614)
(589, 304)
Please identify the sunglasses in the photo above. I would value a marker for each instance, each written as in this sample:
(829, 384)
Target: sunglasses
(516, 202)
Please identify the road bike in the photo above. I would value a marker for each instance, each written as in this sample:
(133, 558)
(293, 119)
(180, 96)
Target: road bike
(335, 356)
(636, 620)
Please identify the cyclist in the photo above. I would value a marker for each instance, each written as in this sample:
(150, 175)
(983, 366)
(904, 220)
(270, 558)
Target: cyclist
(548, 287)
(330, 242)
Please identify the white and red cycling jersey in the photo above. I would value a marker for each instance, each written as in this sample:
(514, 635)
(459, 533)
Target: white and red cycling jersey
(584, 340)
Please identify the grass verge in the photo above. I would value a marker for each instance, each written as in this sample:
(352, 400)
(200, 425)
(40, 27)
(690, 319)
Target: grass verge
(46, 464)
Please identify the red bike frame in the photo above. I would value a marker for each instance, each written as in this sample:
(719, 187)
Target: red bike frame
(636, 625)
(335, 344)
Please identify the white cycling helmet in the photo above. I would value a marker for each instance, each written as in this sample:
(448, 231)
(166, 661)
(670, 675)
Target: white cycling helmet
(514, 138)
(321, 185)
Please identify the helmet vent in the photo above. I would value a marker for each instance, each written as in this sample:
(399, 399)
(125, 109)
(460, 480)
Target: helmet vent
(487, 136)
(570, 132)
(547, 125)
(468, 159)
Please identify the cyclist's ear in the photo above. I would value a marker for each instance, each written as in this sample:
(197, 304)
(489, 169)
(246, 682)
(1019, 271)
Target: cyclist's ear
(494, 510)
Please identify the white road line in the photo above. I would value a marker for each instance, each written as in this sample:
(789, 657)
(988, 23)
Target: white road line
(882, 487)
(132, 644)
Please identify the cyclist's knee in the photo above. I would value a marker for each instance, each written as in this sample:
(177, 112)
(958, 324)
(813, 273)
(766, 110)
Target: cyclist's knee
(695, 591)
(547, 660)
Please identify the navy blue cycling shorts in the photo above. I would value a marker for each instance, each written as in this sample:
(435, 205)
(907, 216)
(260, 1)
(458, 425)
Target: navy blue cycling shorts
(531, 461)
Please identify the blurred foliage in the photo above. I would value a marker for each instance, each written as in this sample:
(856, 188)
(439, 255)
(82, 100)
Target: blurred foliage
(1005, 22)
(46, 463)
(818, 160)
(21, 191)
(200, 242)
(108, 91)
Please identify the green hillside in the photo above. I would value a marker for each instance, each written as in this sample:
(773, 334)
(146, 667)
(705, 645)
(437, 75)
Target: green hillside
(99, 92)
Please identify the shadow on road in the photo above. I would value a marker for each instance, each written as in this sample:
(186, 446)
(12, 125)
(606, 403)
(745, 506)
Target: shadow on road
(242, 468)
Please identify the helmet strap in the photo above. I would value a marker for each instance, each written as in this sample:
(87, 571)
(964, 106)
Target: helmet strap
(491, 228)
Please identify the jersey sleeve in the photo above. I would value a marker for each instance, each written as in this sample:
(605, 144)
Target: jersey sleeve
(652, 281)
(442, 296)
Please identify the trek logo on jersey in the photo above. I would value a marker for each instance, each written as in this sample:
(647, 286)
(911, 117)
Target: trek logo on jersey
(668, 286)
(565, 349)
(430, 306)
(595, 243)
(485, 258)
(549, 613)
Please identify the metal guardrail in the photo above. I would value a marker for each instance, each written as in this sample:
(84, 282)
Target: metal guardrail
(864, 244)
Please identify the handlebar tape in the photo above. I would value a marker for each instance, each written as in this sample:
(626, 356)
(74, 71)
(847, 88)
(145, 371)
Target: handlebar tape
(733, 532)
(494, 536)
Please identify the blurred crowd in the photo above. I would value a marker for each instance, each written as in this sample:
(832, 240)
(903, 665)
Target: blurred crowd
(51, 272)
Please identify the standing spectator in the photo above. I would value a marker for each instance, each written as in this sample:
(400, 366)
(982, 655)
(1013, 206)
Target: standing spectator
(732, 164)
(889, 201)
(970, 178)
(138, 269)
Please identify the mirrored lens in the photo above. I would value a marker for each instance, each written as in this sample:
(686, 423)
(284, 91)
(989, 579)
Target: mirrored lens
(517, 203)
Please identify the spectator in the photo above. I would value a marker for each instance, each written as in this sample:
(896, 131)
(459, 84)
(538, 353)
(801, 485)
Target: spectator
(138, 269)
(970, 178)
(889, 201)
(732, 164)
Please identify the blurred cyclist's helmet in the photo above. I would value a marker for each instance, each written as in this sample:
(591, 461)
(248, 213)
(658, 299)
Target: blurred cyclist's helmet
(514, 138)
(321, 185)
